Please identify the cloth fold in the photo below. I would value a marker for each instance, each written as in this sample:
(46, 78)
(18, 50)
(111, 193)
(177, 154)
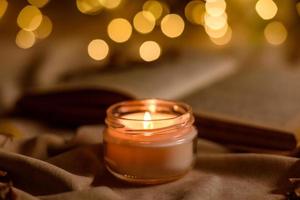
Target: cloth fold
(70, 166)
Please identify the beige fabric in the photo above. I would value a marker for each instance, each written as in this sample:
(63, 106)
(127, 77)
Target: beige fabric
(58, 165)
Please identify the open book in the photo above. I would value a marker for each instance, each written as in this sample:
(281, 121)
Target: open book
(254, 110)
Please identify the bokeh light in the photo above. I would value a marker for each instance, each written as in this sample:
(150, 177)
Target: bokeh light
(216, 33)
(155, 7)
(98, 49)
(215, 22)
(297, 7)
(225, 39)
(3, 7)
(266, 9)
(110, 4)
(215, 7)
(45, 28)
(119, 30)
(194, 12)
(29, 18)
(90, 7)
(150, 51)
(25, 39)
(38, 3)
(172, 25)
(275, 33)
(144, 22)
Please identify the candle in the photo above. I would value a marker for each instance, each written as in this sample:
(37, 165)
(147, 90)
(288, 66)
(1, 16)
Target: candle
(149, 141)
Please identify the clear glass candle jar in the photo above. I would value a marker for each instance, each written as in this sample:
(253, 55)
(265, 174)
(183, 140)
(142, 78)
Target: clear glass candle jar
(149, 141)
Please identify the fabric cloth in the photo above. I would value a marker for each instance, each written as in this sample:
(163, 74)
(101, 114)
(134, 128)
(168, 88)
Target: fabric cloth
(55, 164)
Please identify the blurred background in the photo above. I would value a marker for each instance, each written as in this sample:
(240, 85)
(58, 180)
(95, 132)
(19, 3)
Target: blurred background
(154, 48)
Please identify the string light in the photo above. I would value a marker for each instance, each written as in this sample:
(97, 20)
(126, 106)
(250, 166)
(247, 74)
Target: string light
(25, 39)
(45, 28)
(38, 3)
(119, 30)
(3, 7)
(266, 9)
(194, 12)
(215, 7)
(29, 18)
(225, 39)
(172, 25)
(150, 51)
(110, 4)
(98, 49)
(275, 33)
(90, 7)
(144, 22)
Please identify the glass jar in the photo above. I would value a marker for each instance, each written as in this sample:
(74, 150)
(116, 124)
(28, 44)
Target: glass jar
(149, 141)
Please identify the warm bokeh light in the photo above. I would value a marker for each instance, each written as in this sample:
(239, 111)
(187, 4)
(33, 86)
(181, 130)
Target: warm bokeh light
(297, 7)
(45, 29)
(225, 39)
(215, 7)
(275, 33)
(98, 49)
(3, 7)
(216, 33)
(38, 3)
(194, 12)
(215, 22)
(150, 51)
(90, 7)
(25, 39)
(29, 18)
(266, 9)
(144, 22)
(155, 7)
(172, 25)
(110, 4)
(119, 30)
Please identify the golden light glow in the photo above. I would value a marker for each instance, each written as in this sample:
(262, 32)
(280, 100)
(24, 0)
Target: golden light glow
(90, 7)
(146, 123)
(266, 9)
(25, 39)
(155, 7)
(119, 30)
(275, 33)
(215, 7)
(3, 7)
(45, 29)
(110, 4)
(38, 3)
(225, 39)
(297, 7)
(144, 22)
(29, 18)
(194, 12)
(98, 49)
(216, 33)
(215, 22)
(172, 25)
(150, 51)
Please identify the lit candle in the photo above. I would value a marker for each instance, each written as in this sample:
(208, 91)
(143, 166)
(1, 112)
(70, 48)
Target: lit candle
(149, 141)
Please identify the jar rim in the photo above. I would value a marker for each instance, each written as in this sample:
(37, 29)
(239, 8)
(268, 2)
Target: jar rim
(182, 112)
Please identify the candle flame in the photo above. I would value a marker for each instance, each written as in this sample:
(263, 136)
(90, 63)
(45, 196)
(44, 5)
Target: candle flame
(147, 119)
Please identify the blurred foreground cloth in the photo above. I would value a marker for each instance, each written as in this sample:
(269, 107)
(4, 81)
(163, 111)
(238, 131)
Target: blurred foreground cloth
(38, 162)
